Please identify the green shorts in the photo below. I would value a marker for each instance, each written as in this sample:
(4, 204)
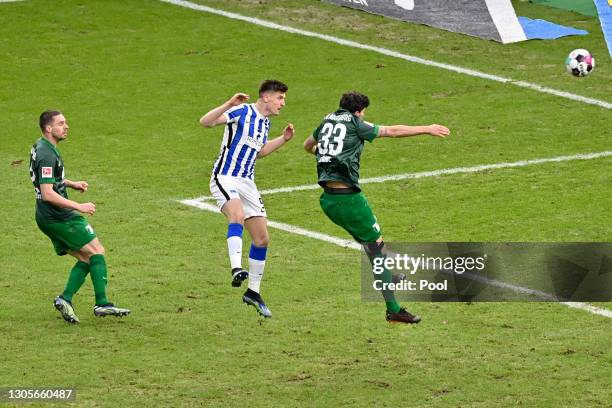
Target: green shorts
(353, 213)
(72, 234)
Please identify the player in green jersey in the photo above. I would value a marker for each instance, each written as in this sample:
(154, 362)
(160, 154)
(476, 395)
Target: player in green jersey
(59, 218)
(337, 143)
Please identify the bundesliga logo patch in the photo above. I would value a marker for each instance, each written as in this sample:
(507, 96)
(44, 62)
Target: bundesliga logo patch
(47, 172)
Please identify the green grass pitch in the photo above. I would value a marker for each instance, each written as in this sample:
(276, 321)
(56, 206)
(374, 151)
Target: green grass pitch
(133, 77)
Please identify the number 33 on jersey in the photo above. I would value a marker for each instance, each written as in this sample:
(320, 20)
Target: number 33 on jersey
(340, 141)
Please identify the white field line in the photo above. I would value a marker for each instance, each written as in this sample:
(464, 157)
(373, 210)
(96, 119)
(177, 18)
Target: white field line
(589, 308)
(388, 52)
(353, 245)
(442, 172)
(345, 243)
(9, 1)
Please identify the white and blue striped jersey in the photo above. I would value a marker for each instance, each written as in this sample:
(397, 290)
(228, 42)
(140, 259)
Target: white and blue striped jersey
(245, 134)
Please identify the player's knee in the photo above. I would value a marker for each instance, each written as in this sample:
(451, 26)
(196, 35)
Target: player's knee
(80, 256)
(262, 241)
(100, 250)
(91, 249)
(236, 215)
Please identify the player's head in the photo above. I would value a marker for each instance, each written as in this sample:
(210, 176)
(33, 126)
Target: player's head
(272, 95)
(355, 103)
(53, 123)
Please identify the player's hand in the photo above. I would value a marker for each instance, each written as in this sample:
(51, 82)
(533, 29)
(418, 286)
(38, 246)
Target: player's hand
(80, 185)
(238, 99)
(438, 130)
(288, 132)
(87, 208)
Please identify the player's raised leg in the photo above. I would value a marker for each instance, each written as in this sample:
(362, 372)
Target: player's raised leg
(394, 313)
(257, 227)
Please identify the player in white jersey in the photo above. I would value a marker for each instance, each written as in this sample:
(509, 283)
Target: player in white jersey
(232, 181)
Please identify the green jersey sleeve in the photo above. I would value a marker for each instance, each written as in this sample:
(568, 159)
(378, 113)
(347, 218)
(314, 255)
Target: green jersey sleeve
(366, 130)
(46, 168)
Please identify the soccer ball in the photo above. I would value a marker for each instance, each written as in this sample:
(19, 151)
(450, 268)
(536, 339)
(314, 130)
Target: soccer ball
(580, 62)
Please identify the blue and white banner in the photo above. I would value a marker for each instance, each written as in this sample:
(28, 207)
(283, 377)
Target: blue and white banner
(489, 19)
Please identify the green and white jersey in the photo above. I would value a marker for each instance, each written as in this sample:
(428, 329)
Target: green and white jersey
(340, 140)
(46, 167)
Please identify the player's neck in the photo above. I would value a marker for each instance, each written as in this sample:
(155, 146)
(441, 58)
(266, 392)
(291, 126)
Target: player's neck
(261, 108)
(51, 139)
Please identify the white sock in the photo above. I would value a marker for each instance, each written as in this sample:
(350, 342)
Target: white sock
(256, 270)
(234, 249)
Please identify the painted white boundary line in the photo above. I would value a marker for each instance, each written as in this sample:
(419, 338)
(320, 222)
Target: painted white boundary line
(388, 52)
(589, 308)
(353, 245)
(10, 1)
(345, 243)
(442, 172)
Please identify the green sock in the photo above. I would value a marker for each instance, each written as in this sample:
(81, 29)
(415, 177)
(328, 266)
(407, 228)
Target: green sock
(376, 251)
(97, 268)
(392, 305)
(75, 280)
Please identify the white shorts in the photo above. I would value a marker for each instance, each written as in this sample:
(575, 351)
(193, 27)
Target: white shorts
(225, 188)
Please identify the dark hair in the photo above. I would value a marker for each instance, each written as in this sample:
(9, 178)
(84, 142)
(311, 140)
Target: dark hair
(271, 85)
(46, 118)
(354, 101)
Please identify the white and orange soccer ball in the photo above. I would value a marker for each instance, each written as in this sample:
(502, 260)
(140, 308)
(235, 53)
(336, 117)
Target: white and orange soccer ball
(580, 62)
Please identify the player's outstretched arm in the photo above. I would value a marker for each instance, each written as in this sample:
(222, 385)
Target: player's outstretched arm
(82, 186)
(310, 145)
(50, 196)
(215, 116)
(274, 144)
(407, 131)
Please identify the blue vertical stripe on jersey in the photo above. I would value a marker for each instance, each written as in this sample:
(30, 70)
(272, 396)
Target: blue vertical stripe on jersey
(266, 132)
(251, 170)
(247, 166)
(228, 159)
(245, 147)
(252, 125)
(243, 151)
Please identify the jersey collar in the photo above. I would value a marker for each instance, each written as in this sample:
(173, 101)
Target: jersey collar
(342, 110)
(44, 140)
